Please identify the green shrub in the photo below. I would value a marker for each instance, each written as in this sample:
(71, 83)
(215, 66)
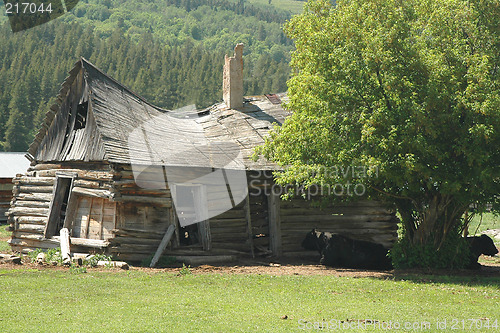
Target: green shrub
(92, 262)
(54, 255)
(453, 253)
(78, 269)
(33, 254)
(185, 270)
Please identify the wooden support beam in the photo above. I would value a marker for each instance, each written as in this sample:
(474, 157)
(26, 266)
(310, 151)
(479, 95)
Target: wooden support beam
(248, 219)
(201, 209)
(163, 245)
(274, 223)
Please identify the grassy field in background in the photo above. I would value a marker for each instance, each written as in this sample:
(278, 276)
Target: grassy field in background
(484, 222)
(295, 6)
(136, 301)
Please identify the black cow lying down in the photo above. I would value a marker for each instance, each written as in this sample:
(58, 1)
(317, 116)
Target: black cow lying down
(340, 251)
(480, 245)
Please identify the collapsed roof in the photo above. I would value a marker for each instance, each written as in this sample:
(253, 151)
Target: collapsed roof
(98, 119)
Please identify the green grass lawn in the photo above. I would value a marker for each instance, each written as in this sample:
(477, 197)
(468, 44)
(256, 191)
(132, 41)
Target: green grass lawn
(4, 236)
(135, 301)
(484, 222)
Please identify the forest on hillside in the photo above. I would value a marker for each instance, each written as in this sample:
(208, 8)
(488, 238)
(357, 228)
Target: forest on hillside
(169, 51)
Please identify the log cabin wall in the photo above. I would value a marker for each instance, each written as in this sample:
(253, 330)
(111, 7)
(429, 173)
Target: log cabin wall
(143, 214)
(33, 195)
(5, 197)
(229, 231)
(365, 220)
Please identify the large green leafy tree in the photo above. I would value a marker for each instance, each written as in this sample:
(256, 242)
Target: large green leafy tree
(408, 88)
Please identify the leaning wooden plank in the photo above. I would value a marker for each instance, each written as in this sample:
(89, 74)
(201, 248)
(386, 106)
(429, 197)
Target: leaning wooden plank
(163, 245)
(65, 245)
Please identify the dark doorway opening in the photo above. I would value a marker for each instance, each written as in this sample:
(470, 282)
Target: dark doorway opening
(58, 206)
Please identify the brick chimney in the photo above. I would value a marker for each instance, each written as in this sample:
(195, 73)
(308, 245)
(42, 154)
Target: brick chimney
(232, 83)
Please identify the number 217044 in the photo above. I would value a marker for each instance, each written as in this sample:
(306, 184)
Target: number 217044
(27, 8)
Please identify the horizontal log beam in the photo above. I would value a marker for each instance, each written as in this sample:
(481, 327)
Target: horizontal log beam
(165, 202)
(34, 196)
(31, 204)
(105, 194)
(81, 174)
(30, 219)
(28, 211)
(33, 189)
(43, 181)
(35, 228)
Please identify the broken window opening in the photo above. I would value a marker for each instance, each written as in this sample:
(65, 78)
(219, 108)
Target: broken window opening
(188, 234)
(189, 206)
(81, 115)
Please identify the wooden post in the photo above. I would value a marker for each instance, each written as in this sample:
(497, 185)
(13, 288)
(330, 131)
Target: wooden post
(163, 245)
(65, 245)
(87, 223)
(173, 221)
(201, 210)
(246, 208)
(274, 224)
(102, 221)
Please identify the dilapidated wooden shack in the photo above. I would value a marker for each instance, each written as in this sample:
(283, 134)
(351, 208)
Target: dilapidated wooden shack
(98, 168)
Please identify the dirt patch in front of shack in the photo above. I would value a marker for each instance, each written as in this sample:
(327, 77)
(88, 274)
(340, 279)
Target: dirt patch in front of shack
(298, 266)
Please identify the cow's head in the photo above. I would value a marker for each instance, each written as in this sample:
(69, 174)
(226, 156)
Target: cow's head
(311, 241)
(486, 246)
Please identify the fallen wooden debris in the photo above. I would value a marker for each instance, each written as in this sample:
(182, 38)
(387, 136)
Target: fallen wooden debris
(40, 258)
(77, 261)
(9, 259)
(65, 246)
(118, 264)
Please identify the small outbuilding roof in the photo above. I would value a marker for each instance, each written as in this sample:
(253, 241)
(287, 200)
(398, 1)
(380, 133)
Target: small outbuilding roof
(131, 130)
(12, 163)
